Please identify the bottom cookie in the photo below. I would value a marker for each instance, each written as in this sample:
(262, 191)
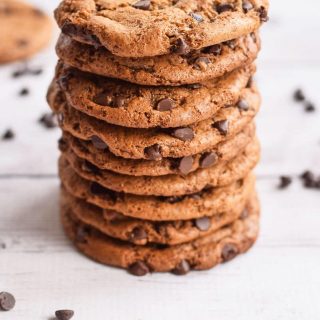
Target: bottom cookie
(200, 254)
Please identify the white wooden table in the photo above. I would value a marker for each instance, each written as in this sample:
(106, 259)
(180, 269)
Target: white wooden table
(278, 279)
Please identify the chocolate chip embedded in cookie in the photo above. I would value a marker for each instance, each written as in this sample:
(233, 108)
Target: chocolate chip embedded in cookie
(164, 26)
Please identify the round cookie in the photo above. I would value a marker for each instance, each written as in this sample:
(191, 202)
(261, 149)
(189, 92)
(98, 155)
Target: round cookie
(24, 30)
(169, 70)
(141, 232)
(202, 253)
(156, 143)
(97, 154)
(132, 28)
(128, 105)
(207, 202)
(170, 185)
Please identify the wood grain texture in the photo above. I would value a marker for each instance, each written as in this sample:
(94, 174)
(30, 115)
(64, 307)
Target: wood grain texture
(278, 279)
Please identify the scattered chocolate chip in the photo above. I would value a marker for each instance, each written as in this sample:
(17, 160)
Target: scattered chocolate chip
(165, 105)
(185, 165)
(153, 152)
(222, 126)
(8, 135)
(26, 71)
(196, 16)
(310, 107)
(180, 47)
(64, 314)
(208, 159)
(184, 134)
(263, 14)
(299, 95)
(49, 120)
(215, 49)
(62, 145)
(82, 234)
(7, 301)
(203, 224)
(247, 6)
(285, 182)
(24, 92)
(139, 269)
(310, 181)
(202, 63)
(142, 5)
(182, 268)
(103, 99)
(224, 7)
(243, 105)
(138, 233)
(98, 143)
(229, 251)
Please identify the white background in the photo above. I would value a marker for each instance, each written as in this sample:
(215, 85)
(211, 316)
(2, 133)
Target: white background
(278, 279)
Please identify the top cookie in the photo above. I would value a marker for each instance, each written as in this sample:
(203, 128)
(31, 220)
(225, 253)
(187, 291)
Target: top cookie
(141, 28)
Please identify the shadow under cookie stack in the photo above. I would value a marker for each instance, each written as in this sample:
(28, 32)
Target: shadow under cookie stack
(156, 103)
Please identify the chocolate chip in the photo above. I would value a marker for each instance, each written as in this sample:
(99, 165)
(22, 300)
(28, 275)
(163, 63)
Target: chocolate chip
(182, 268)
(196, 16)
(299, 95)
(26, 71)
(310, 181)
(138, 233)
(243, 105)
(185, 164)
(222, 126)
(253, 37)
(62, 145)
(7, 301)
(75, 30)
(285, 182)
(89, 167)
(64, 314)
(215, 49)
(153, 152)
(202, 63)
(180, 47)
(98, 143)
(208, 159)
(142, 5)
(165, 105)
(82, 234)
(224, 7)
(49, 120)
(263, 13)
(8, 135)
(103, 99)
(247, 6)
(24, 92)
(229, 252)
(118, 102)
(203, 224)
(139, 269)
(184, 134)
(231, 44)
(310, 107)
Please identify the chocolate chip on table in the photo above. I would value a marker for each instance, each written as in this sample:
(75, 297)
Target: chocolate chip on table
(203, 224)
(309, 107)
(208, 159)
(184, 134)
(299, 95)
(49, 120)
(263, 14)
(222, 126)
(285, 182)
(182, 268)
(215, 49)
(64, 314)
(27, 71)
(98, 143)
(138, 233)
(142, 4)
(243, 105)
(8, 135)
(247, 6)
(139, 269)
(180, 47)
(310, 181)
(185, 165)
(7, 301)
(166, 104)
(229, 251)
(153, 152)
(24, 92)
(202, 63)
(224, 7)
(196, 16)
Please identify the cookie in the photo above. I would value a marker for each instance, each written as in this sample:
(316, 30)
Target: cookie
(128, 105)
(151, 28)
(169, 185)
(142, 232)
(24, 30)
(157, 143)
(202, 253)
(208, 202)
(97, 153)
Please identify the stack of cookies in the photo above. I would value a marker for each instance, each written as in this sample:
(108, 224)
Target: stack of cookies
(156, 103)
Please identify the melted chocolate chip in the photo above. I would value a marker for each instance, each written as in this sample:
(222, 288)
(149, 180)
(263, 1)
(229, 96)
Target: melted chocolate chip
(263, 14)
(243, 105)
(222, 126)
(224, 7)
(203, 224)
(185, 165)
(165, 105)
(229, 252)
(98, 143)
(285, 182)
(7, 301)
(196, 16)
(202, 63)
(247, 6)
(215, 49)
(142, 5)
(180, 47)
(208, 159)
(153, 152)
(8, 135)
(138, 233)
(139, 269)
(182, 268)
(184, 134)
(64, 314)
